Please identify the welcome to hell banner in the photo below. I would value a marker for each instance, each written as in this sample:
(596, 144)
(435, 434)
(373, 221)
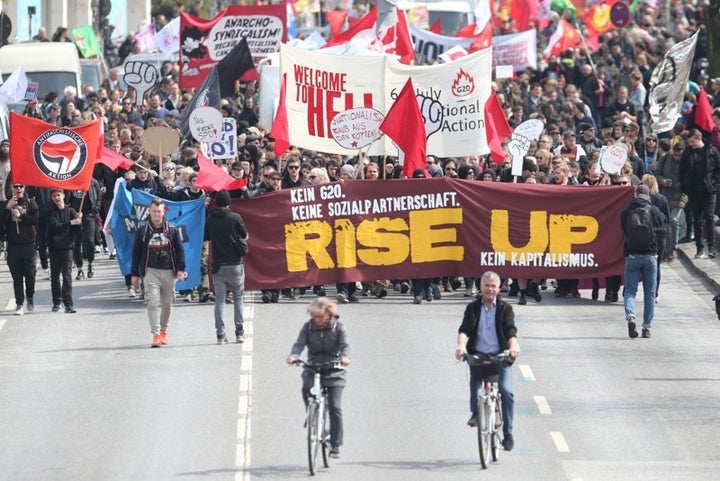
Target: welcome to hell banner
(399, 229)
(203, 43)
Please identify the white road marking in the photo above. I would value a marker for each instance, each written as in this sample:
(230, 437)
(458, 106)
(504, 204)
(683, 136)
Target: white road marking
(559, 441)
(11, 305)
(526, 372)
(242, 448)
(542, 404)
(2, 323)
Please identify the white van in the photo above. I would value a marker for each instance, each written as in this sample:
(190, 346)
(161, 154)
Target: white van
(53, 65)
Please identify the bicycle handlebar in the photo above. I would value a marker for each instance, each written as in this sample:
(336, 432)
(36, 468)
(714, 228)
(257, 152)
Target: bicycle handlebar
(335, 365)
(502, 358)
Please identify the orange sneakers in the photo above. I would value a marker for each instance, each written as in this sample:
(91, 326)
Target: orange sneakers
(156, 341)
(163, 337)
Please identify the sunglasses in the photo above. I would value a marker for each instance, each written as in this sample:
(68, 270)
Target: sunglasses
(623, 183)
(168, 169)
(312, 177)
(450, 169)
(293, 167)
(18, 186)
(652, 140)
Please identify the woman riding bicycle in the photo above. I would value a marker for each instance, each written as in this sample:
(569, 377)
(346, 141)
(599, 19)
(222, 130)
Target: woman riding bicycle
(326, 340)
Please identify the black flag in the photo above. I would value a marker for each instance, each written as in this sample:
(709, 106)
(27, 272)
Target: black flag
(219, 83)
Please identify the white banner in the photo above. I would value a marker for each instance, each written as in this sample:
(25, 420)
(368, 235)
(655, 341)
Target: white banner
(668, 85)
(321, 86)
(516, 49)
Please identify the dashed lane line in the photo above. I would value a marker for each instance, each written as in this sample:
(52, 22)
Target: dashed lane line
(542, 404)
(527, 373)
(560, 443)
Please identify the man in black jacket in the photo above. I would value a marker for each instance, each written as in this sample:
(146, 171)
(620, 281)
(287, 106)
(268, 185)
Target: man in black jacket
(227, 234)
(19, 219)
(700, 180)
(488, 327)
(62, 222)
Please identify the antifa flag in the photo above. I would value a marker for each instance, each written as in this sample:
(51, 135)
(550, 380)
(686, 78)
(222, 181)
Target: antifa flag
(205, 42)
(219, 83)
(43, 155)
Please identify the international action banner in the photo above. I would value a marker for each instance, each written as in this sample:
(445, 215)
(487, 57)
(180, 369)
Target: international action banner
(364, 230)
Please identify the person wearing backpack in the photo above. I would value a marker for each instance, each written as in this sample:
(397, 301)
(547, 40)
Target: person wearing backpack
(639, 222)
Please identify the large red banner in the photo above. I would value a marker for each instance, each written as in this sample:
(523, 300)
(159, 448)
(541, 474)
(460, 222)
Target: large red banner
(203, 43)
(399, 229)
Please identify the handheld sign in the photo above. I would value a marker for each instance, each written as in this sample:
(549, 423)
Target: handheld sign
(226, 146)
(160, 141)
(206, 124)
(520, 142)
(613, 158)
(356, 128)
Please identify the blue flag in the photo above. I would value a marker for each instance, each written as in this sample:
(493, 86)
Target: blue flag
(131, 212)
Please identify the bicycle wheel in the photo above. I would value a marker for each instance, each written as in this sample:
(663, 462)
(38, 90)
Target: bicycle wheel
(325, 436)
(484, 432)
(312, 441)
(497, 438)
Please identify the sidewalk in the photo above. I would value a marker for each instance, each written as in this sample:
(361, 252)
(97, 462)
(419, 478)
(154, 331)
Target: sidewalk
(705, 268)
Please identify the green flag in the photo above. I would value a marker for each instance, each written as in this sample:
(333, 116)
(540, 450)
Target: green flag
(86, 41)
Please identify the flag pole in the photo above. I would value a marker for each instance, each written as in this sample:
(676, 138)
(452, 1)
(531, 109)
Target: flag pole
(82, 201)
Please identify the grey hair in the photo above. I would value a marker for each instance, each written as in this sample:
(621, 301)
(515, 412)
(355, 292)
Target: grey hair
(490, 275)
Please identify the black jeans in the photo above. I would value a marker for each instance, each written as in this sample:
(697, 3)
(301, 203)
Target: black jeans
(703, 209)
(85, 241)
(61, 263)
(21, 262)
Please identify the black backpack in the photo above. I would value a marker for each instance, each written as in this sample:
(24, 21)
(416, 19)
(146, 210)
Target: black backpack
(639, 229)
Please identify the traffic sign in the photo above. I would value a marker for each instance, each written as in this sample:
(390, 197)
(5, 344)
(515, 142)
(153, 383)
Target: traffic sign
(619, 14)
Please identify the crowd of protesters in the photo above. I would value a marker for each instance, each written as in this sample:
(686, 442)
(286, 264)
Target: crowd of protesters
(585, 101)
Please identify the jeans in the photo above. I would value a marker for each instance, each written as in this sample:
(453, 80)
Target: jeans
(61, 265)
(85, 241)
(334, 400)
(703, 209)
(636, 266)
(674, 235)
(159, 297)
(506, 391)
(233, 276)
(21, 262)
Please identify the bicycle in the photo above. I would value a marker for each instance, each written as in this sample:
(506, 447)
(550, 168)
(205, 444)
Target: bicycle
(317, 421)
(489, 415)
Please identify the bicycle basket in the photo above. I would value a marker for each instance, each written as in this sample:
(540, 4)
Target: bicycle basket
(481, 368)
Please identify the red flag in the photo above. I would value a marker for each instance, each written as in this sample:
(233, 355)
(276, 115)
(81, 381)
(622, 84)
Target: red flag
(482, 40)
(395, 40)
(280, 132)
(703, 112)
(43, 155)
(336, 20)
(497, 127)
(524, 12)
(436, 27)
(405, 125)
(467, 31)
(564, 38)
(113, 160)
(213, 178)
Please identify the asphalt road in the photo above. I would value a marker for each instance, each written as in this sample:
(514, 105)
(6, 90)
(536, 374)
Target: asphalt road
(83, 397)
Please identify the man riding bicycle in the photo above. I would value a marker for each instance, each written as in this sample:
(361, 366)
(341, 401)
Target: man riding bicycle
(488, 327)
(326, 340)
